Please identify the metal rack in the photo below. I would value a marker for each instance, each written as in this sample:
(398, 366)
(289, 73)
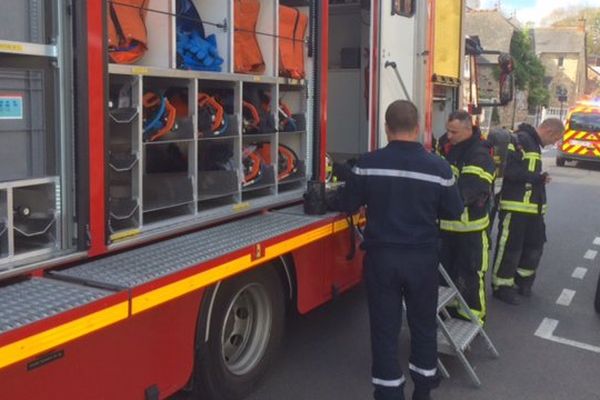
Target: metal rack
(201, 193)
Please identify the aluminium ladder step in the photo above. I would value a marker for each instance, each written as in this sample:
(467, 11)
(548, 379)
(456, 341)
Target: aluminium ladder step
(462, 332)
(455, 335)
(445, 296)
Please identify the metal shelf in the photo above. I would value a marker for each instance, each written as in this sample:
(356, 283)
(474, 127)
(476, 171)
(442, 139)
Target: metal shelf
(258, 135)
(292, 133)
(297, 83)
(120, 69)
(203, 198)
(28, 49)
(169, 141)
(218, 137)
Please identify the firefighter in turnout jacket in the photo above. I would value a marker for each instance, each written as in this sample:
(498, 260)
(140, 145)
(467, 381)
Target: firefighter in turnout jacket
(522, 232)
(406, 190)
(465, 245)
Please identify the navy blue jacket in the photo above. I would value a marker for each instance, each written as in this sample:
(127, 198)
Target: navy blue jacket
(406, 190)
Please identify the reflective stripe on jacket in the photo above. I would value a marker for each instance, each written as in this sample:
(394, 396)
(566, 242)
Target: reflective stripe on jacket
(523, 189)
(473, 167)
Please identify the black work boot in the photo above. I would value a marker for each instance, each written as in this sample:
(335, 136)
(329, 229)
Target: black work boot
(507, 295)
(525, 291)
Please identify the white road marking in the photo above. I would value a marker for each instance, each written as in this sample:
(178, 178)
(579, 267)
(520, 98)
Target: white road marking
(590, 254)
(566, 297)
(597, 241)
(546, 331)
(579, 273)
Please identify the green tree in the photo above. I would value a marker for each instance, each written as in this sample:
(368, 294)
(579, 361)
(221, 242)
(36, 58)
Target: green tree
(529, 71)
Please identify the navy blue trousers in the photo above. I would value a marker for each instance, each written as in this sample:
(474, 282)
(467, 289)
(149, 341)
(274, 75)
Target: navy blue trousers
(393, 275)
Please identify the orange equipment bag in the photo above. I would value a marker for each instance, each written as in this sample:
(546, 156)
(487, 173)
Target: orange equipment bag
(248, 57)
(127, 34)
(292, 30)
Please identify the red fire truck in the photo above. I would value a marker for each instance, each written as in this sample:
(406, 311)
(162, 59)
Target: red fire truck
(152, 233)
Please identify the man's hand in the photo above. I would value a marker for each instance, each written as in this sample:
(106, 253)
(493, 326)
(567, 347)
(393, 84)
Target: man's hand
(546, 179)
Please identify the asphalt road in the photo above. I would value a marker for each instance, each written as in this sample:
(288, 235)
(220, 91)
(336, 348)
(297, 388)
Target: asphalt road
(326, 354)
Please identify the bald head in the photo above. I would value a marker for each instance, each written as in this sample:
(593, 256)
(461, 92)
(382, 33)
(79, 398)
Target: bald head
(550, 131)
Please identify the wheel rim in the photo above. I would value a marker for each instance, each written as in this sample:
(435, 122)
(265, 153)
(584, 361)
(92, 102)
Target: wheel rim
(246, 329)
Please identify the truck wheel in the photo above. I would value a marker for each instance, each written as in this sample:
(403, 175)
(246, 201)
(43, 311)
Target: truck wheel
(246, 329)
(560, 162)
(597, 299)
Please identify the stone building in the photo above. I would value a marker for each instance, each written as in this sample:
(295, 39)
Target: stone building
(562, 50)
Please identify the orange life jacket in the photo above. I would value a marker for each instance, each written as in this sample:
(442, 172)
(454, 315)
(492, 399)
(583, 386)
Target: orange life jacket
(248, 57)
(127, 34)
(292, 30)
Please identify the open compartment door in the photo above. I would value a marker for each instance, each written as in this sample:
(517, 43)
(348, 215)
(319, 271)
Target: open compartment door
(395, 54)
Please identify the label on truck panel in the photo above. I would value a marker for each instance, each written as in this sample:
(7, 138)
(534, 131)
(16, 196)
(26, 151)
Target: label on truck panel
(11, 107)
(45, 359)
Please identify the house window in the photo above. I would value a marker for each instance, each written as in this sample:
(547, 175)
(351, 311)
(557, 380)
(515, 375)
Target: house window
(406, 8)
(561, 61)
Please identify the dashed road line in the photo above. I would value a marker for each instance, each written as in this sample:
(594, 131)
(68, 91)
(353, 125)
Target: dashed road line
(566, 297)
(597, 241)
(590, 254)
(546, 331)
(579, 273)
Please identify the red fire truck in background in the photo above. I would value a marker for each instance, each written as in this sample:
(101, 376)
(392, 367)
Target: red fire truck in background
(152, 232)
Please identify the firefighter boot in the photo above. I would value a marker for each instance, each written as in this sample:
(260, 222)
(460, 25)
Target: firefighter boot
(525, 291)
(524, 284)
(507, 295)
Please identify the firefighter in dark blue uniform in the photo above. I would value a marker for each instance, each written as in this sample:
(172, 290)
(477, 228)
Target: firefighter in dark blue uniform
(465, 244)
(522, 231)
(406, 191)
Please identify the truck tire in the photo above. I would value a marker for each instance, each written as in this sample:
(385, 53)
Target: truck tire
(597, 299)
(560, 162)
(245, 332)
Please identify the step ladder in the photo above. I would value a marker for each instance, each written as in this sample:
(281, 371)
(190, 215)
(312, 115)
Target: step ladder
(456, 335)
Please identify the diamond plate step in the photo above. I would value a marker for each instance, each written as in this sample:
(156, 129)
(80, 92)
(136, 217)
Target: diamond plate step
(30, 301)
(136, 267)
(445, 296)
(462, 332)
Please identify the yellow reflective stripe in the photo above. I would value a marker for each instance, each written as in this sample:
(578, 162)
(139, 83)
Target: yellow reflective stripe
(574, 149)
(568, 135)
(511, 147)
(532, 157)
(583, 152)
(455, 170)
(500, 255)
(525, 273)
(181, 287)
(55, 337)
(465, 226)
(527, 198)
(485, 248)
(478, 171)
(478, 314)
(504, 281)
(518, 206)
(580, 135)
